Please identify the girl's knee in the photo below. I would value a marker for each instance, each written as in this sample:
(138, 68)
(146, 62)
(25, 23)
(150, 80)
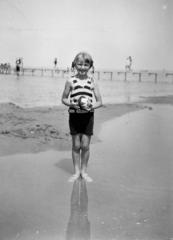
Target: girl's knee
(85, 143)
(84, 147)
(76, 143)
(76, 147)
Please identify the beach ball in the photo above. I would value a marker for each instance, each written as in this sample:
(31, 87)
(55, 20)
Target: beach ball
(84, 102)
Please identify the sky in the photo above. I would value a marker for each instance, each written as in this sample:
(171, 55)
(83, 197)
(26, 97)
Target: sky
(110, 30)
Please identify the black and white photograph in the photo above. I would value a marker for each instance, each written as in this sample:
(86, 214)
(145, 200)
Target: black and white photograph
(86, 119)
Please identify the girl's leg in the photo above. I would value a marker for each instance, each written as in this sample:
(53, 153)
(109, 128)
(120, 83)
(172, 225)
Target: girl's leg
(76, 139)
(85, 153)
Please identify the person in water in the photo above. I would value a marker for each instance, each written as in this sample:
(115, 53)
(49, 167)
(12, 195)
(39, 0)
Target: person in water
(81, 121)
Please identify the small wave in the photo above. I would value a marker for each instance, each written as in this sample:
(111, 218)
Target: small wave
(10, 104)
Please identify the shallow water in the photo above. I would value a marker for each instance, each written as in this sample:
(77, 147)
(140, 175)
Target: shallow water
(129, 199)
(31, 91)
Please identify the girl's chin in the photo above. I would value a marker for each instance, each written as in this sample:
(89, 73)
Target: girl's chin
(82, 73)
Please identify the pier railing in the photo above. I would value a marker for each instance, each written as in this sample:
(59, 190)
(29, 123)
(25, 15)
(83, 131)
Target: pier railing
(117, 75)
(138, 76)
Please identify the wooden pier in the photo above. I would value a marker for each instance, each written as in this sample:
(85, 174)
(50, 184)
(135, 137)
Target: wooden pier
(117, 75)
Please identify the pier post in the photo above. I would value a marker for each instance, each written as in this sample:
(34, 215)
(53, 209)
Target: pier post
(139, 75)
(169, 74)
(111, 73)
(125, 75)
(155, 76)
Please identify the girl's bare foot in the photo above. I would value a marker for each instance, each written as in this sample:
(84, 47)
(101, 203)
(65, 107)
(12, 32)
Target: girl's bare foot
(74, 177)
(86, 177)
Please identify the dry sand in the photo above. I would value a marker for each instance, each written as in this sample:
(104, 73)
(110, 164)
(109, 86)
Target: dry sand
(39, 129)
(131, 196)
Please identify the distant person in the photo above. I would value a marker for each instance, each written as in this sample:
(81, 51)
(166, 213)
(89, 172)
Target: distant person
(5, 68)
(18, 66)
(55, 63)
(81, 114)
(128, 66)
(2, 68)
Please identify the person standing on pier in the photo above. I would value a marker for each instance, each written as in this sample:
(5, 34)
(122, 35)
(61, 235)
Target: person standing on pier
(18, 67)
(55, 64)
(128, 66)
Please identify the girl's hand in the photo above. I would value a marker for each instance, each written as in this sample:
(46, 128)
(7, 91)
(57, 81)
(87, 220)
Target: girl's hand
(75, 106)
(89, 106)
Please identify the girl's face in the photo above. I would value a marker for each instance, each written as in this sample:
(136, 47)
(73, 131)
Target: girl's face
(82, 66)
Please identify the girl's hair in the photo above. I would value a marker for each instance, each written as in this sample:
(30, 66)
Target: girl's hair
(87, 58)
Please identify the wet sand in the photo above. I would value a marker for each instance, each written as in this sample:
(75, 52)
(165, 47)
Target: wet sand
(135, 161)
(131, 196)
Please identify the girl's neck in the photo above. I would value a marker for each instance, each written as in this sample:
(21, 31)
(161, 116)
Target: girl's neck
(81, 77)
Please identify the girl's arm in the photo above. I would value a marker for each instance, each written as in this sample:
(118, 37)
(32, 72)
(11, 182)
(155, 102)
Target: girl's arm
(66, 93)
(98, 97)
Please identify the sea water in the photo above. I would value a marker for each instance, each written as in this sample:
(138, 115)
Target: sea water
(33, 91)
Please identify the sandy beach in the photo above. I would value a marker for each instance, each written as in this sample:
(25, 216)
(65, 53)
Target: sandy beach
(38, 129)
(131, 196)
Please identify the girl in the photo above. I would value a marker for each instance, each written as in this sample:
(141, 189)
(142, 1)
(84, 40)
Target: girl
(81, 121)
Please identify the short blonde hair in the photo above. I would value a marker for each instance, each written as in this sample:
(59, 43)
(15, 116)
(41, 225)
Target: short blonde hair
(87, 58)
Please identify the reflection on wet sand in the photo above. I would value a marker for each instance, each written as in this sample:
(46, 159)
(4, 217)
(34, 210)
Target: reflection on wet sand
(79, 226)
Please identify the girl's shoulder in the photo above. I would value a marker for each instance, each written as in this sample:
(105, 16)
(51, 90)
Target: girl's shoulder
(93, 80)
(71, 79)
